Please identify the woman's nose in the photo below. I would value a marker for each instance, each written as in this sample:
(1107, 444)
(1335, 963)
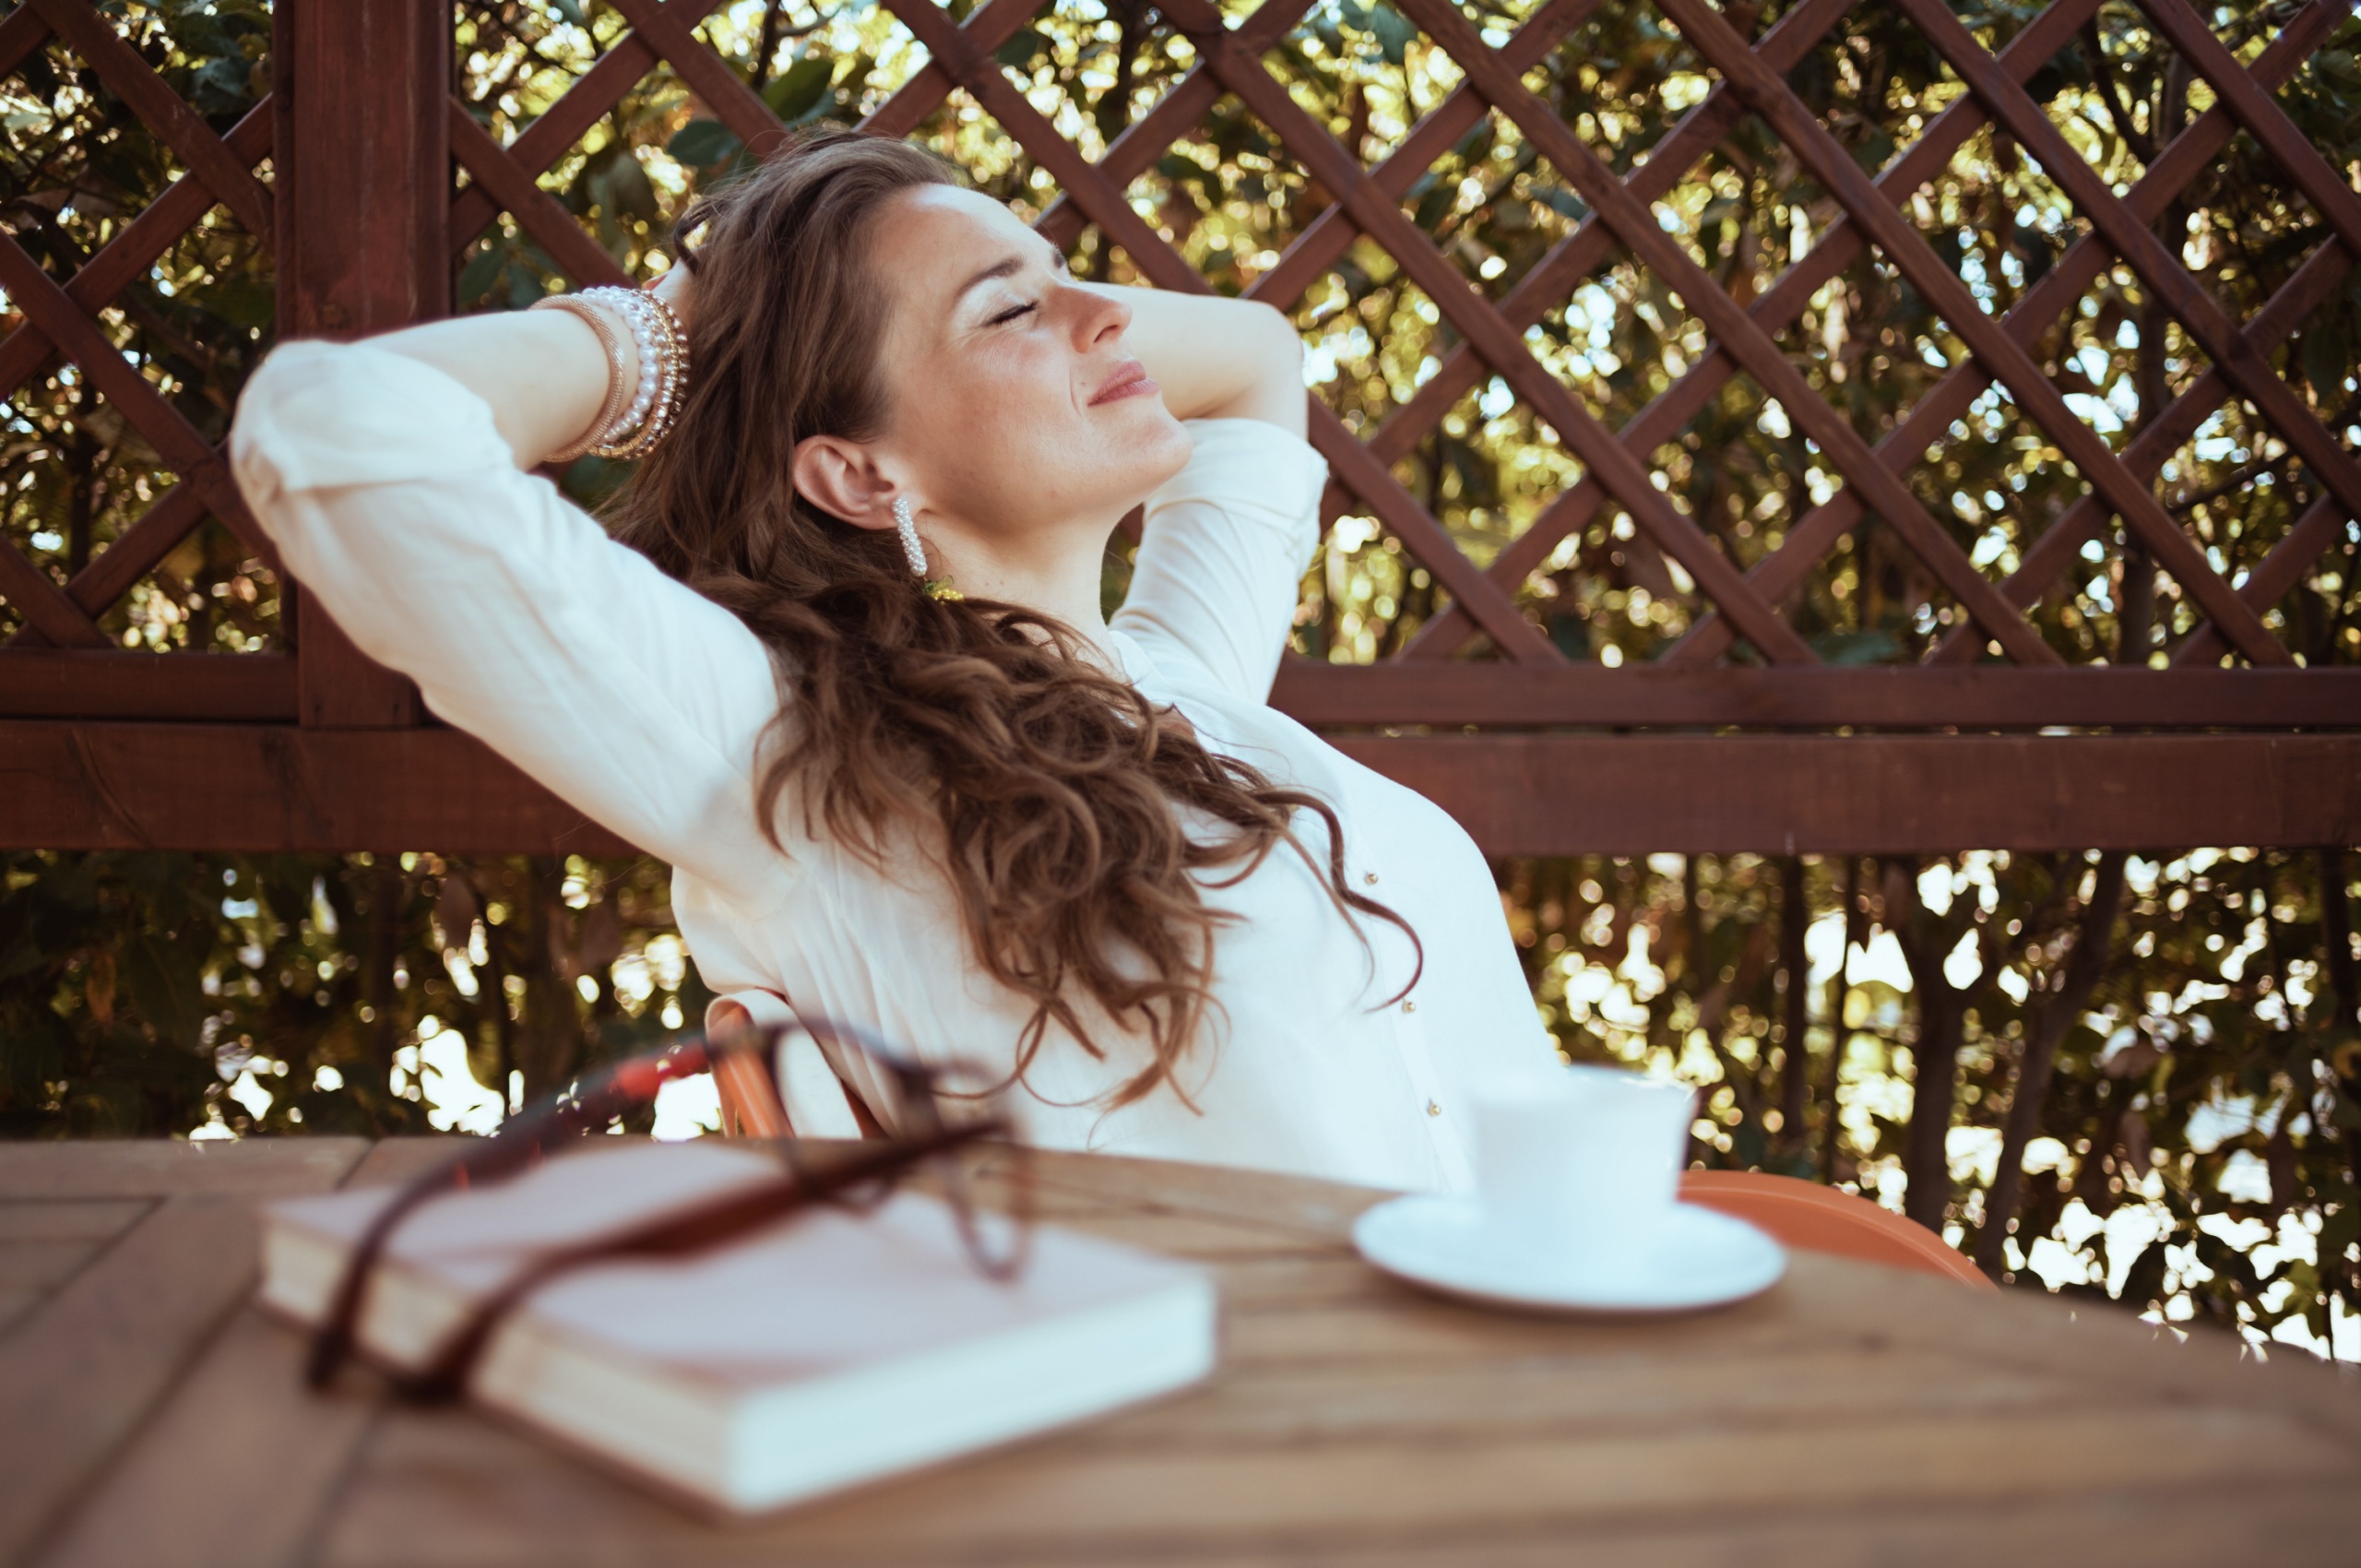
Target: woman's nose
(1098, 317)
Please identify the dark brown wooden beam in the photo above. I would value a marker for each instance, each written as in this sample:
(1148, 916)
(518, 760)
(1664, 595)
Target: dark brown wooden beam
(59, 684)
(256, 787)
(1819, 794)
(78, 683)
(275, 787)
(1918, 698)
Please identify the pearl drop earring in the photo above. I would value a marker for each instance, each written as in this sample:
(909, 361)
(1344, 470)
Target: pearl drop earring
(906, 526)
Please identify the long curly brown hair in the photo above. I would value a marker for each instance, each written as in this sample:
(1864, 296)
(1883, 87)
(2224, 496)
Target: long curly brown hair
(1053, 795)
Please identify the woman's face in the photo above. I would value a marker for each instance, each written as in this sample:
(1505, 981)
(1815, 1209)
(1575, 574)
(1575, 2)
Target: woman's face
(1015, 407)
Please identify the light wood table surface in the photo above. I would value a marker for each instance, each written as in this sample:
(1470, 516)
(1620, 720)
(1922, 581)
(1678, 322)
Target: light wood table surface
(151, 1418)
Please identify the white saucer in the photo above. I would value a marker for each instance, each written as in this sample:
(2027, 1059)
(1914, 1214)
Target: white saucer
(1695, 1258)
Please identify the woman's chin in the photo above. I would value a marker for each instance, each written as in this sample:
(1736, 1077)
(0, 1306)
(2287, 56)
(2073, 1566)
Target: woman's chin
(1163, 440)
(1138, 449)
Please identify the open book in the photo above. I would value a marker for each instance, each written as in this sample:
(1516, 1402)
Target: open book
(831, 1349)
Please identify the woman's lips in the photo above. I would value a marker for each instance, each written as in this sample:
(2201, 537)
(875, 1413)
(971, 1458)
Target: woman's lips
(1130, 380)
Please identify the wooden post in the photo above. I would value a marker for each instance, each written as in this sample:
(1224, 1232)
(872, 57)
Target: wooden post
(364, 180)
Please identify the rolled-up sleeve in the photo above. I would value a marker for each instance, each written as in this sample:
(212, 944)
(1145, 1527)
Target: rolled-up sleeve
(396, 504)
(1222, 557)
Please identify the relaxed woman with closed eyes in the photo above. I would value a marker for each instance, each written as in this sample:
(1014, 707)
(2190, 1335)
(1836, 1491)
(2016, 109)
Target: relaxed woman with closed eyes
(838, 655)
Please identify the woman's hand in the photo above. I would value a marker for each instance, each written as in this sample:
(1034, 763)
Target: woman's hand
(674, 288)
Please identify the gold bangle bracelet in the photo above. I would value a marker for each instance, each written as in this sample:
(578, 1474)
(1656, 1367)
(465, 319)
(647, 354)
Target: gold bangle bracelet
(611, 408)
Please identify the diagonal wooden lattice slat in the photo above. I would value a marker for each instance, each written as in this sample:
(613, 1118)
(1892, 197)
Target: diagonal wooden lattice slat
(1372, 210)
(2241, 362)
(1580, 256)
(1874, 485)
(61, 320)
(1776, 101)
(1776, 308)
(1739, 334)
(503, 178)
(2176, 167)
(160, 109)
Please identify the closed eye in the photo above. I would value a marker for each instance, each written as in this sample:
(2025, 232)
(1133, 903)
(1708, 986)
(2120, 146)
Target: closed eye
(1012, 313)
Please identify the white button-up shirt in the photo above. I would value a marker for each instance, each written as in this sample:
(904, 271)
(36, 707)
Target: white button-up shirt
(393, 499)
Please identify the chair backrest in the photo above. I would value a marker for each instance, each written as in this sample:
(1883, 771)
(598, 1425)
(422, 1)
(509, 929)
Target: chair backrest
(1822, 1219)
(749, 1099)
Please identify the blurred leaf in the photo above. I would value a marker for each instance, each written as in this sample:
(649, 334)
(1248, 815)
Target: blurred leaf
(791, 95)
(163, 977)
(242, 301)
(2341, 1227)
(1021, 49)
(2327, 360)
(223, 86)
(1436, 202)
(628, 192)
(700, 144)
(482, 272)
(1859, 647)
(1395, 32)
(525, 285)
(2133, 1060)
(1564, 202)
(456, 909)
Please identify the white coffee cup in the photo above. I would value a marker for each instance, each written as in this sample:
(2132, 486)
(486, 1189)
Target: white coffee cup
(1580, 1158)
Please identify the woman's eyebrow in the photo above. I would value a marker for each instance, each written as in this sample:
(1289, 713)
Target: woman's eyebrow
(1007, 266)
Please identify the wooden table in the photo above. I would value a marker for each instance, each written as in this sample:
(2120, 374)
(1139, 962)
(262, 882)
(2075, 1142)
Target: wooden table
(150, 1418)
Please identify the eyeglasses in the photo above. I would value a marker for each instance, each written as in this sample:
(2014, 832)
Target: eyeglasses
(931, 1111)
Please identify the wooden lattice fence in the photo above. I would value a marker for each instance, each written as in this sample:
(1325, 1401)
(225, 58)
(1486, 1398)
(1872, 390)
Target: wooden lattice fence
(369, 183)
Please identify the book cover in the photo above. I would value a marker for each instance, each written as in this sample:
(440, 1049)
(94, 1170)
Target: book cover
(835, 1346)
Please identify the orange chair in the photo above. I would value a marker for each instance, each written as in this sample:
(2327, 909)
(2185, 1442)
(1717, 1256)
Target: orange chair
(1822, 1219)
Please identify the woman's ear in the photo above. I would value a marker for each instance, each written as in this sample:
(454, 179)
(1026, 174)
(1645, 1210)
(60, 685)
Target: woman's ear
(840, 478)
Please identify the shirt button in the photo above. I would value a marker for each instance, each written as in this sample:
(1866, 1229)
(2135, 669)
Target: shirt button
(1410, 1007)
(1370, 877)
(1433, 1110)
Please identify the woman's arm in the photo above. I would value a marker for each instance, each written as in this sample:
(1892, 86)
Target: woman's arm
(542, 373)
(388, 473)
(1216, 358)
(1217, 573)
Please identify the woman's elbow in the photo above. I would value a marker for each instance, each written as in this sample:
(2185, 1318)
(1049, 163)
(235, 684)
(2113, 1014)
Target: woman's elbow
(1277, 348)
(1269, 343)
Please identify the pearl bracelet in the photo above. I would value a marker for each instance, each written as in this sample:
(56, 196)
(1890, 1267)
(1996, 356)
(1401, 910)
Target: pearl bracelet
(636, 427)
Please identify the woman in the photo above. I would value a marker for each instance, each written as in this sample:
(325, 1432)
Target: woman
(847, 670)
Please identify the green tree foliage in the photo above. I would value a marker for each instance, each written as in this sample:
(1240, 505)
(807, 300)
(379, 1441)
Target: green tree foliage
(147, 994)
(2187, 1025)
(2129, 1075)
